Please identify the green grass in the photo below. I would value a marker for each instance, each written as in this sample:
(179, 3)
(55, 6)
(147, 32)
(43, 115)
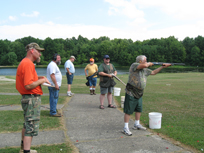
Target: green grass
(12, 121)
(58, 148)
(178, 96)
(16, 99)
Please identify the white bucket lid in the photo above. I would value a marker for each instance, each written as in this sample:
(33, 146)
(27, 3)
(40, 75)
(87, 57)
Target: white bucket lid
(155, 114)
(115, 88)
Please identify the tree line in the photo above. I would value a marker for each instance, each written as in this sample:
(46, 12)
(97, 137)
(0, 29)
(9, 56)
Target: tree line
(121, 51)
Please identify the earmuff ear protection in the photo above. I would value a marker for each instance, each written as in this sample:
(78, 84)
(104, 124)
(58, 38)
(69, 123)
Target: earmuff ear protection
(55, 56)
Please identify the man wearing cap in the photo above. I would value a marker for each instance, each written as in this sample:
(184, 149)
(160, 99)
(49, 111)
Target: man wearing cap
(70, 70)
(107, 82)
(92, 69)
(28, 84)
(138, 74)
(54, 75)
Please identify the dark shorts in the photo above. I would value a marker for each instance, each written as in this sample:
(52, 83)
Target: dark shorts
(31, 107)
(92, 81)
(69, 78)
(131, 104)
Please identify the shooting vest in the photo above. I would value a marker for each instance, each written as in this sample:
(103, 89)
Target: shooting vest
(105, 81)
(137, 80)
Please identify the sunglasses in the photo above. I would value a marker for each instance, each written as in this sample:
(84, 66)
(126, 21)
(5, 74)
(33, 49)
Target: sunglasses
(107, 58)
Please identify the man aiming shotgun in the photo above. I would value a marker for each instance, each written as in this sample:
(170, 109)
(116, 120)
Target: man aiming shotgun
(138, 74)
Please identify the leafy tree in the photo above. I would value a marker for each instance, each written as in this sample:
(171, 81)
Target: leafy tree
(19, 49)
(12, 58)
(9, 59)
(188, 43)
(50, 49)
(195, 56)
(3, 48)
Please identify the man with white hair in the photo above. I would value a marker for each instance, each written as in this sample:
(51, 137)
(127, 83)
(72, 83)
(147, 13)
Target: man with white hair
(70, 70)
(138, 74)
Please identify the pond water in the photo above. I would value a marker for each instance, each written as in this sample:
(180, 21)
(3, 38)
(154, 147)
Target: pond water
(80, 71)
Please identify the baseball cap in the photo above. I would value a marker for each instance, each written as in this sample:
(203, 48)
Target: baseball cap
(35, 46)
(73, 57)
(106, 56)
(91, 59)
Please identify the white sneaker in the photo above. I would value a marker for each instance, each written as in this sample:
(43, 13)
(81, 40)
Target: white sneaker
(126, 131)
(139, 127)
(69, 94)
(72, 94)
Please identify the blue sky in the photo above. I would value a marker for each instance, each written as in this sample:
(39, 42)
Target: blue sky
(126, 19)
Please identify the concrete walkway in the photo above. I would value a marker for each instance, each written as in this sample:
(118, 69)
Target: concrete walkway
(93, 130)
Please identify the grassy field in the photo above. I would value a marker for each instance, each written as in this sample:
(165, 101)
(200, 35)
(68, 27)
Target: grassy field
(178, 96)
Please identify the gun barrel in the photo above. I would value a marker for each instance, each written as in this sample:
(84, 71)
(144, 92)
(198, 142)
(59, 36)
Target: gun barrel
(161, 63)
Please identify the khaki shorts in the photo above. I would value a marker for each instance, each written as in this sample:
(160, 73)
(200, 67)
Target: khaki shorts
(131, 104)
(31, 107)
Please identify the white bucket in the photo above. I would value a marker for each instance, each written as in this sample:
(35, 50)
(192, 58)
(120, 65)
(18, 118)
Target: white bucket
(122, 101)
(117, 91)
(155, 120)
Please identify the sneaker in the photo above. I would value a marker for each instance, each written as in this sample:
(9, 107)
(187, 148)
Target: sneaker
(31, 151)
(68, 94)
(139, 127)
(72, 94)
(127, 132)
(56, 115)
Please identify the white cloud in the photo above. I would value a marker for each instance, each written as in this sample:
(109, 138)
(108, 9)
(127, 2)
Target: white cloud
(34, 14)
(112, 11)
(50, 23)
(180, 9)
(12, 18)
(53, 30)
(128, 9)
(125, 8)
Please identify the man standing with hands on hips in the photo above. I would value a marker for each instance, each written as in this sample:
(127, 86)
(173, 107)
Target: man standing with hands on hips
(70, 70)
(28, 84)
(138, 74)
(55, 77)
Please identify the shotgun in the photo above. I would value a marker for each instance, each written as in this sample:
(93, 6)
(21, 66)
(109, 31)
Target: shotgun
(119, 79)
(162, 63)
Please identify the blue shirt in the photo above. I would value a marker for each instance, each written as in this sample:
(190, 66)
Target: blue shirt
(68, 64)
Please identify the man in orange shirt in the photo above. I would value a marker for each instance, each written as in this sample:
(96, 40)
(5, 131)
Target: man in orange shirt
(28, 84)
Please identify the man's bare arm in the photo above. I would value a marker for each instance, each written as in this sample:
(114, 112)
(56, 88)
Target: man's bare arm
(144, 65)
(165, 65)
(40, 81)
(54, 81)
(105, 74)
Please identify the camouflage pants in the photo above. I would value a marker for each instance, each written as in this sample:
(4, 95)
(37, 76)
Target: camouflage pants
(31, 107)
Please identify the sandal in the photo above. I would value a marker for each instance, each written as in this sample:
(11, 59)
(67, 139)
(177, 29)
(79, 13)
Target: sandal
(111, 106)
(101, 107)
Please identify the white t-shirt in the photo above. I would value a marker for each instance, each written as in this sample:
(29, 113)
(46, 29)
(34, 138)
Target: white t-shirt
(68, 64)
(53, 68)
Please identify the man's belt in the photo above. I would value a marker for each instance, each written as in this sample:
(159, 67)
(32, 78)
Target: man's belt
(30, 95)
